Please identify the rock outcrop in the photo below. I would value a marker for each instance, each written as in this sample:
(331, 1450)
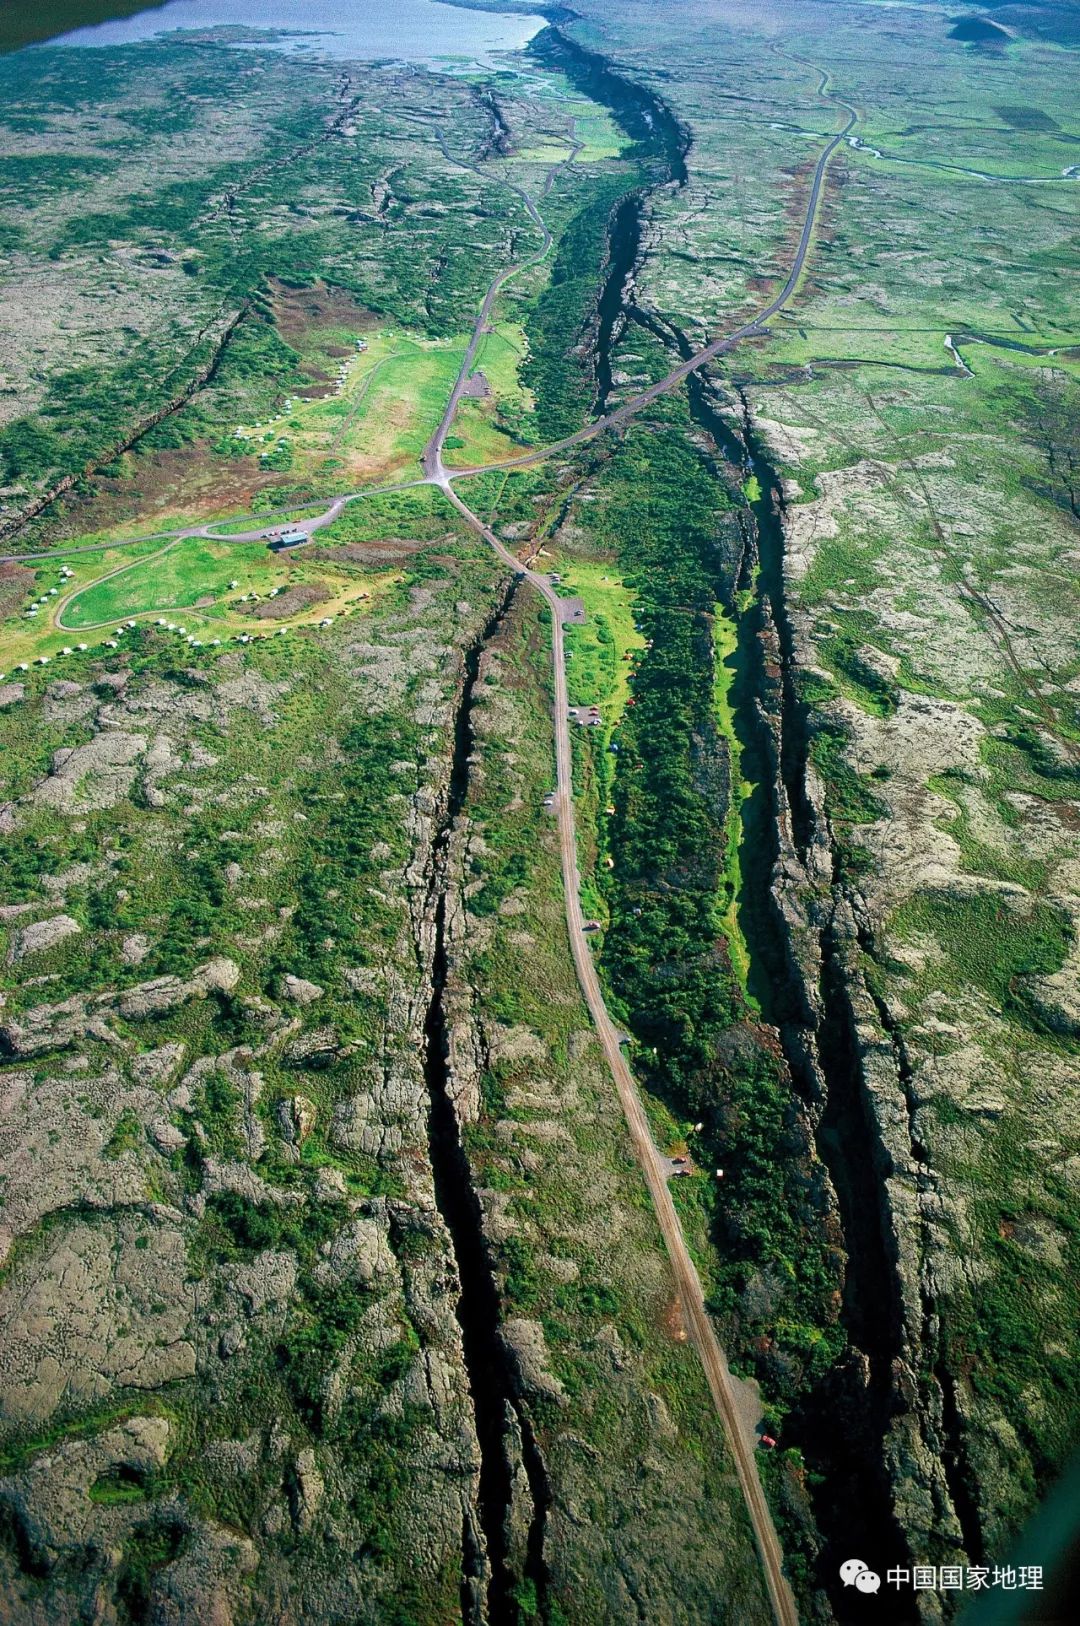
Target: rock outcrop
(54, 1027)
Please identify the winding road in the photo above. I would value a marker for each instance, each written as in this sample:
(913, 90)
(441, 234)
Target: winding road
(654, 1168)
(434, 472)
(431, 460)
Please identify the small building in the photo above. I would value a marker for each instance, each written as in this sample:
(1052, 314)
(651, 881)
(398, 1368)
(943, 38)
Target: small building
(289, 539)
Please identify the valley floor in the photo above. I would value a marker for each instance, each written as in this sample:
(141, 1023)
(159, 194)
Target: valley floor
(364, 1236)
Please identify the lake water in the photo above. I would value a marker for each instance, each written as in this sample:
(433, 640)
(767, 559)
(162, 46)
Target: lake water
(356, 30)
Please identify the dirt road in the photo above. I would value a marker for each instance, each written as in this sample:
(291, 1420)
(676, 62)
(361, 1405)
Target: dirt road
(687, 1283)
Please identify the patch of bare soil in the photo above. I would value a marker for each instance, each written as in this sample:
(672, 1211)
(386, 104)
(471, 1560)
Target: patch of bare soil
(801, 178)
(388, 551)
(186, 479)
(290, 602)
(15, 582)
(312, 320)
(190, 479)
(298, 312)
(674, 1322)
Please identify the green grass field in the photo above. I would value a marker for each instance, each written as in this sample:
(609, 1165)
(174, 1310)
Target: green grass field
(374, 422)
(482, 428)
(599, 661)
(725, 643)
(193, 576)
(191, 581)
(381, 425)
(24, 637)
(191, 570)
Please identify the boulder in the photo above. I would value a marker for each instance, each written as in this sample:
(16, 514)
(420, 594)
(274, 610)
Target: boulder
(50, 1499)
(297, 1117)
(1057, 999)
(90, 1313)
(526, 1346)
(159, 1065)
(52, 1027)
(42, 935)
(361, 1252)
(308, 1489)
(300, 991)
(165, 993)
(94, 775)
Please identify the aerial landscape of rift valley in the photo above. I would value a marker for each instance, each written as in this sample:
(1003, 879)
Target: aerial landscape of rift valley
(539, 812)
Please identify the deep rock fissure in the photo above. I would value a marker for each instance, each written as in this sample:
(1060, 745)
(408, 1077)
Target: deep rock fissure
(479, 1310)
(841, 1425)
(660, 141)
(624, 246)
(954, 1453)
(205, 376)
(645, 117)
(773, 979)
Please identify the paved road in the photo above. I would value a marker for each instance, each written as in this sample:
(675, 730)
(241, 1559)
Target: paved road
(278, 524)
(653, 1166)
(754, 328)
(431, 461)
(687, 1282)
(700, 1327)
(434, 473)
(284, 519)
(84, 587)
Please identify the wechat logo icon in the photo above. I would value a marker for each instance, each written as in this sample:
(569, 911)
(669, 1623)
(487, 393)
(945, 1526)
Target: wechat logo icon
(855, 1573)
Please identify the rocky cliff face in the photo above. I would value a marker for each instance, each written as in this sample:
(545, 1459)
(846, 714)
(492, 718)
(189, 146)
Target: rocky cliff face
(233, 1381)
(912, 1045)
(617, 1501)
(882, 1399)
